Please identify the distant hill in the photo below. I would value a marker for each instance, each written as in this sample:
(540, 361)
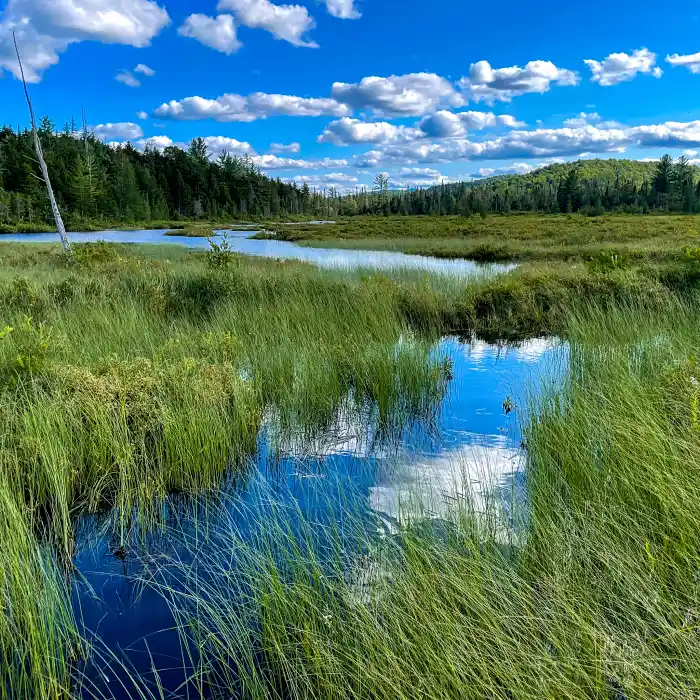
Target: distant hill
(597, 169)
(591, 186)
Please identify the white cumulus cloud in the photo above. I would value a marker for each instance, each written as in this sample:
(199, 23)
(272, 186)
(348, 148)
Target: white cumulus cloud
(537, 143)
(446, 124)
(128, 78)
(216, 145)
(442, 124)
(343, 9)
(218, 33)
(146, 70)
(46, 28)
(690, 61)
(582, 119)
(514, 169)
(621, 67)
(487, 84)
(259, 105)
(414, 94)
(160, 143)
(272, 162)
(285, 147)
(285, 22)
(120, 131)
(346, 131)
(340, 181)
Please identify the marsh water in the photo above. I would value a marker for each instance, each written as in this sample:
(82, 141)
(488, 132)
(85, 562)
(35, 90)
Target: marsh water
(241, 242)
(468, 447)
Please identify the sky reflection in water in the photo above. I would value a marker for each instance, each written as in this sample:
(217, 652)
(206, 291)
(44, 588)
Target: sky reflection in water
(472, 446)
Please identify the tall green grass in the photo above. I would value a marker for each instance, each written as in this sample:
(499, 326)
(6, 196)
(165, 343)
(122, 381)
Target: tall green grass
(39, 643)
(598, 597)
(128, 376)
(131, 375)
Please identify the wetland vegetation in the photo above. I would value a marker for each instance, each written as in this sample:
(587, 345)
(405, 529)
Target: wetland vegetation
(137, 373)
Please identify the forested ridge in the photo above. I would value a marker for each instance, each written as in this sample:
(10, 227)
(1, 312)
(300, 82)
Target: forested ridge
(98, 184)
(590, 186)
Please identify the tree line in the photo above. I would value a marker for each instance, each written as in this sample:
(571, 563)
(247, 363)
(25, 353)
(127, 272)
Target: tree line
(590, 187)
(96, 183)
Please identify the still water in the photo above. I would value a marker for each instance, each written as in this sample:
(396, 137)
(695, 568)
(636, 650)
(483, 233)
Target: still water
(471, 444)
(241, 242)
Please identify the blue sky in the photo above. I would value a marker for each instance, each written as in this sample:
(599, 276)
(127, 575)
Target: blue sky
(335, 91)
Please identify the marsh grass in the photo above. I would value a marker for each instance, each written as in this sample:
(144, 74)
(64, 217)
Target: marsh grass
(597, 597)
(526, 238)
(139, 372)
(38, 640)
(132, 375)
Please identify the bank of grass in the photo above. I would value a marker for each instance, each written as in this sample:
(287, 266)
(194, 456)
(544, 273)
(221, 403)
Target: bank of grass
(87, 226)
(95, 225)
(521, 238)
(135, 373)
(139, 371)
(598, 598)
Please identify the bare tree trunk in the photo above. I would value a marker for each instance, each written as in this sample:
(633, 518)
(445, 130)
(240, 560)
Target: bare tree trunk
(42, 163)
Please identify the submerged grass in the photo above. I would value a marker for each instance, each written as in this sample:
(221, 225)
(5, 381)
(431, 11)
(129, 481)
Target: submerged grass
(130, 377)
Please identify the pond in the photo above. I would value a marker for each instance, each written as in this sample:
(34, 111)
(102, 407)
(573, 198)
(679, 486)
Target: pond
(472, 442)
(241, 242)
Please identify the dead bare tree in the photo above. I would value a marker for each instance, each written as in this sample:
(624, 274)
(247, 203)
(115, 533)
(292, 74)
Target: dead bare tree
(42, 163)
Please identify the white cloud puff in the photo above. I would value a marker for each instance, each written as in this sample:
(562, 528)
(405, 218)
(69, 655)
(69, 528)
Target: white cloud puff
(566, 141)
(285, 22)
(120, 131)
(414, 94)
(346, 131)
(285, 147)
(340, 181)
(46, 28)
(583, 119)
(160, 143)
(442, 124)
(259, 105)
(216, 145)
(145, 70)
(218, 33)
(514, 169)
(343, 9)
(408, 178)
(690, 61)
(446, 124)
(490, 85)
(272, 162)
(621, 67)
(128, 78)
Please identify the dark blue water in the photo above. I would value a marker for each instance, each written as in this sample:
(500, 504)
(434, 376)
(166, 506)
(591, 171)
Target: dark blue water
(471, 445)
(241, 242)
